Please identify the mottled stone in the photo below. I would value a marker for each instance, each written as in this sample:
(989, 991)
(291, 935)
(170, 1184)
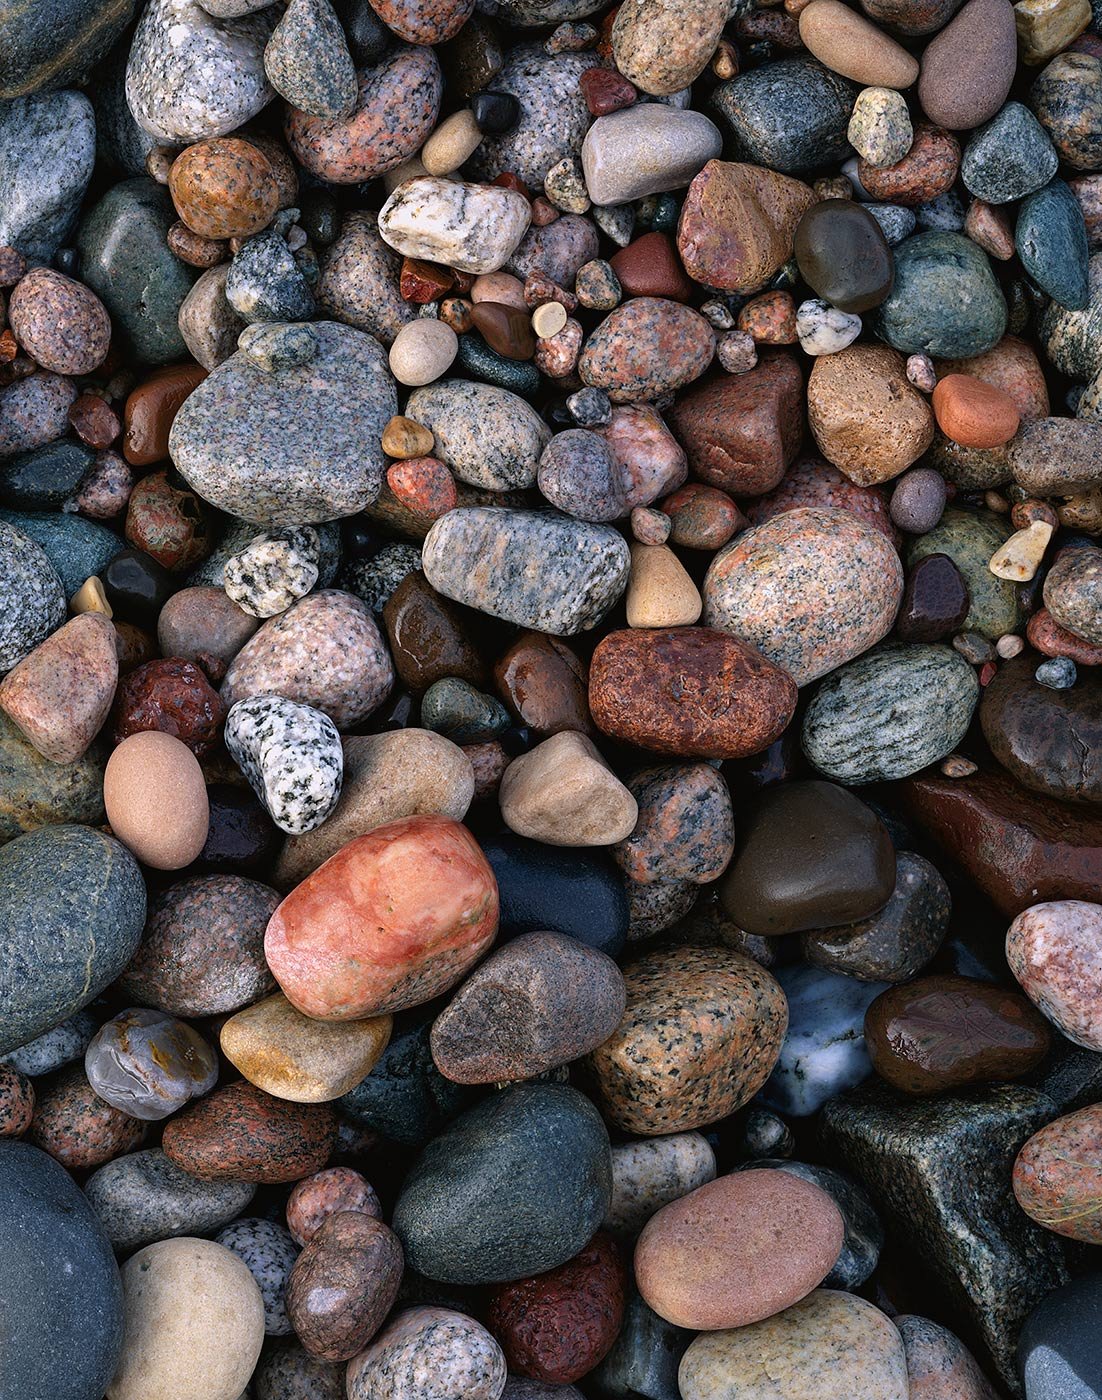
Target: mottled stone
(427, 1349)
(789, 116)
(864, 415)
(1051, 240)
(643, 1360)
(1067, 100)
(307, 60)
(1051, 949)
(645, 348)
(1008, 157)
(148, 1064)
(47, 150)
(343, 1285)
(557, 251)
(650, 1173)
(646, 149)
(291, 755)
(269, 1253)
(488, 436)
(880, 128)
(34, 589)
(939, 1365)
(54, 1048)
(969, 540)
(1057, 457)
(813, 482)
(1071, 593)
(60, 693)
(650, 460)
(685, 829)
(143, 1197)
(474, 228)
(208, 324)
(945, 300)
(1058, 1176)
(264, 284)
(358, 281)
(240, 1133)
(78, 1128)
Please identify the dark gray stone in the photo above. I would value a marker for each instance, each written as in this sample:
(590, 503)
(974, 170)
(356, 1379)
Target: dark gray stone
(77, 548)
(45, 477)
(1051, 239)
(47, 151)
(32, 593)
(121, 143)
(791, 116)
(143, 1197)
(945, 300)
(454, 708)
(265, 283)
(643, 1362)
(1060, 1350)
(51, 43)
(307, 60)
(1008, 157)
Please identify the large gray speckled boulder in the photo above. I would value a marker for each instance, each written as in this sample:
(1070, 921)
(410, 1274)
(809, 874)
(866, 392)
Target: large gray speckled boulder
(47, 151)
(488, 436)
(144, 1197)
(34, 603)
(293, 445)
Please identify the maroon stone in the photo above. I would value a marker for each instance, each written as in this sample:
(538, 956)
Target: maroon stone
(343, 1284)
(935, 601)
(173, 696)
(544, 684)
(606, 91)
(650, 266)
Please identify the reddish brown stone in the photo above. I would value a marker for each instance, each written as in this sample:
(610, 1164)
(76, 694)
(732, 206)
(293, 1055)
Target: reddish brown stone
(692, 692)
(13, 265)
(422, 282)
(945, 1032)
(424, 485)
(741, 431)
(509, 180)
(174, 697)
(649, 267)
(928, 169)
(702, 517)
(428, 636)
(456, 312)
(505, 329)
(489, 762)
(9, 347)
(16, 1102)
(94, 421)
(1019, 847)
(193, 248)
(241, 1133)
(225, 188)
(544, 684)
(1046, 634)
(78, 1128)
(170, 525)
(770, 319)
(150, 410)
(558, 1326)
(343, 1284)
(105, 491)
(606, 91)
(315, 1198)
(1058, 1176)
(543, 211)
(815, 483)
(134, 646)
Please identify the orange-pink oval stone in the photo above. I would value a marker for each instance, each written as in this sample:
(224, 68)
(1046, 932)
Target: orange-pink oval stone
(1058, 1175)
(392, 920)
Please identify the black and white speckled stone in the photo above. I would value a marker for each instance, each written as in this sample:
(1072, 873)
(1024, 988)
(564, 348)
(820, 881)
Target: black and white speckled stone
(359, 280)
(429, 1351)
(34, 604)
(53, 1049)
(241, 532)
(889, 713)
(579, 475)
(294, 446)
(292, 757)
(265, 283)
(47, 150)
(375, 578)
(474, 228)
(143, 1197)
(269, 1253)
(192, 76)
(307, 60)
(483, 556)
(287, 1371)
(553, 114)
(791, 116)
(488, 436)
(273, 570)
(1008, 157)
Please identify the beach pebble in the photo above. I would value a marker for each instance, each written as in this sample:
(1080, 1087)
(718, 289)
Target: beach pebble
(647, 347)
(939, 1365)
(1058, 1175)
(343, 1285)
(307, 61)
(78, 1128)
(269, 1253)
(1050, 948)
(273, 571)
(579, 474)
(329, 1192)
(474, 228)
(143, 1197)
(60, 693)
(865, 416)
(664, 45)
(790, 116)
(148, 1064)
(156, 799)
(488, 436)
(645, 149)
(652, 1172)
(47, 151)
(429, 1351)
(291, 755)
(422, 352)
(562, 792)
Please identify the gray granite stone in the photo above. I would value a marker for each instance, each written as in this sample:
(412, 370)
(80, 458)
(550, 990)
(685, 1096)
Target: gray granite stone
(646, 149)
(1051, 239)
(121, 144)
(53, 1049)
(291, 755)
(47, 151)
(143, 1197)
(54, 43)
(207, 322)
(34, 603)
(1060, 1349)
(359, 280)
(791, 116)
(35, 792)
(265, 283)
(488, 436)
(1008, 157)
(269, 1253)
(307, 60)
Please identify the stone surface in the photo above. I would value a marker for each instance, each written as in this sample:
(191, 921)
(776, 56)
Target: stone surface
(148, 1065)
(847, 43)
(343, 1284)
(1058, 1175)
(77, 1127)
(357, 284)
(1050, 948)
(1071, 593)
(475, 228)
(562, 792)
(645, 149)
(663, 45)
(291, 756)
(1009, 157)
(970, 539)
(30, 580)
(1057, 1350)
(488, 436)
(47, 150)
(268, 1252)
(939, 1365)
(651, 1173)
(789, 116)
(1051, 240)
(429, 1348)
(865, 417)
(307, 60)
(143, 1197)
(685, 829)
(59, 694)
(647, 347)
(948, 272)
(156, 799)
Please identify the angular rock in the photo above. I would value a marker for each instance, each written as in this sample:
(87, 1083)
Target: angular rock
(474, 228)
(33, 590)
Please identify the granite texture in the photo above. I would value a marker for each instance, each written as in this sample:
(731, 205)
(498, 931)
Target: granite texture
(429, 1349)
(47, 150)
(473, 228)
(29, 582)
(143, 1197)
(488, 436)
(291, 755)
(789, 116)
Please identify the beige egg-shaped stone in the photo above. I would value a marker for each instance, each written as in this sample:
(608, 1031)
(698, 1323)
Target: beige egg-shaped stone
(454, 141)
(564, 793)
(660, 591)
(851, 45)
(423, 351)
(193, 1323)
(156, 799)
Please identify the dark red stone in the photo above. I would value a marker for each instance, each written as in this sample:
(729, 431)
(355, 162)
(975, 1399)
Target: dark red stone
(702, 517)
(422, 282)
(651, 267)
(94, 421)
(174, 697)
(241, 1133)
(935, 601)
(606, 91)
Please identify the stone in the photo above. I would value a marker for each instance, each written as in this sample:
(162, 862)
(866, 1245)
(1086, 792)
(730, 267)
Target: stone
(47, 151)
(31, 582)
(969, 540)
(1045, 29)
(43, 303)
(487, 436)
(974, 413)
(685, 829)
(35, 792)
(150, 410)
(357, 283)
(78, 1128)
(480, 556)
(562, 792)
(194, 1299)
(580, 476)
(268, 1252)
(651, 1173)
(544, 684)
(557, 251)
(811, 482)
(208, 324)
(664, 45)
(288, 1371)
(464, 1213)
(935, 602)
(422, 352)
(939, 1365)
(291, 756)
(239, 1133)
(224, 188)
(650, 460)
(880, 127)
(660, 591)
(314, 1199)
(455, 140)
(156, 799)
(962, 92)
(645, 149)
(1049, 947)
(54, 1048)
(275, 447)
(673, 999)
(64, 1304)
(264, 284)
(307, 61)
(429, 637)
(865, 417)
(1058, 1176)
(60, 693)
(58, 45)
(945, 300)
(1009, 157)
(273, 571)
(849, 44)
(1070, 592)
(166, 524)
(863, 1236)
(647, 347)
(1047, 636)
(47, 476)
(1065, 99)
(1056, 456)
(343, 1285)
(842, 253)
(825, 1347)
(644, 1358)
(430, 1348)
(1051, 240)
(927, 171)
(242, 838)
(789, 116)
(142, 1198)
(473, 228)
(148, 1065)
(1070, 338)
(650, 266)
(1057, 1353)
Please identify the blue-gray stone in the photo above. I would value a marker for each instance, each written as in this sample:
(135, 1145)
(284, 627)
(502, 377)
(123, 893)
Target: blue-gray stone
(307, 60)
(126, 262)
(484, 362)
(461, 713)
(791, 116)
(266, 284)
(643, 1362)
(121, 143)
(945, 300)
(35, 792)
(53, 1049)
(60, 1291)
(34, 603)
(1073, 339)
(1008, 157)
(896, 222)
(1060, 1349)
(77, 548)
(1051, 239)
(47, 151)
(51, 43)
(45, 477)
(72, 909)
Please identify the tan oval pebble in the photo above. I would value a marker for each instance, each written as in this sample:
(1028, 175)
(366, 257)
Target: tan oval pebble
(422, 351)
(867, 418)
(649, 1174)
(499, 286)
(156, 799)
(549, 319)
(564, 793)
(404, 437)
(738, 1249)
(968, 67)
(849, 44)
(411, 169)
(455, 140)
(292, 1056)
(90, 597)
(660, 591)
(193, 1323)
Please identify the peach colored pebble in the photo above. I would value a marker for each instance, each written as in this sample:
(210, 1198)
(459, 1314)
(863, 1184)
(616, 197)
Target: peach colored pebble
(973, 413)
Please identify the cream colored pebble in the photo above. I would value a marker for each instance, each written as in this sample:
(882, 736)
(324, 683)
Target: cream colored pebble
(90, 598)
(455, 140)
(549, 319)
(411, 169)
(422, 351)
(1020, 557)
(660, 591)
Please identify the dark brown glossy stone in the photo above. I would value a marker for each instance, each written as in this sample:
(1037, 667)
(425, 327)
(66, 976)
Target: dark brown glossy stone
(173, 696)
(241, 1133)
(946, 1032)
(843, 255)
(242, 838)
(649, 266)
(428, 636)
(935, 601)
(811, 856)
(506, 329)
(544, 684)
(343, 1284)
(150, 410)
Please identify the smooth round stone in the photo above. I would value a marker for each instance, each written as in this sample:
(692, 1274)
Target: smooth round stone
(649, 1174)
(730, 1017)
(685, 828)
(1056, 456)
(242, 839)
(34, 411)
(935, 602)
(896, 943)
(156, 799)
(1071, 593)
(847, 43)
(1071, 338)
(939, 1365)
(662, 48)
(343, 1285)
(945, 300)
(422, 351)
(927, 171)
(31, 583)
(224, 189)
(78, 1128)
(330, 1192)
(737, 1250)
(842, 253)
(647, 347)
(208, 324)
(358, 283)
(59, 323)
(1058, 1349)
(656, 907)
(143, 1197)
(544, 685)
(789, 116)
(579, 474)
(1051, 240)
(540, 1001)
(1052, 949)
(946, 1032)
(644, 149)
(974, 413)
(63, 1304)
(830, 1346)
(969, 540)
(286, 1371)
(269, 1254)
(557, 251)
(47, 151)
(55, 1048)
(466, 715)
(967, 68)
(194, 1323)
(1058, 1176)
(465, 1211)
(863, 1236)
(56, 45)
(426, 1351)
(811, 588)
(1067, 100)
(148, 1064)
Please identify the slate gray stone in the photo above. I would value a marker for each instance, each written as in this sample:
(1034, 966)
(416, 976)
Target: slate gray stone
(1073, 339)
(307, 60)
(53, 1049)
(643, 1361)
(47, 151)
(488, 436)
(945, 300)
(121, 144)
(1008, 157)
(34, 599)
(53, 43)
(1051, 240)
(265, 283)
(35, 792)
(791, 116)
(1060, 1349)
(292, 757)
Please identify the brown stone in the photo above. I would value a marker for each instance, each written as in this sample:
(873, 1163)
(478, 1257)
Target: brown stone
(1046, 634)
(645, 348)
(606, 91)
(967, 69)
(174, 697)
(770, 319)
(911, 17)
(168, 523)
(814, 483)
(928, 169)
(741, 431)
(702, 517)
(737, 224)
(150, 409)
(95, 423)
(544, 684)
(239, 1133)
(421, 282)
(343, 1284)
(693, 692)
(847, 43)
(505, 329)
(156, 799)
(428, 636)
(225, 188)
(649, 266)
(194, 249)
(990, 226)
(866, 417)
(563, 793)
(202, 625)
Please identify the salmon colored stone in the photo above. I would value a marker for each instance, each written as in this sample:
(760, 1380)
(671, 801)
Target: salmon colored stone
(224, 188)
(973, 413)
(150, 410)
(928, 169)
(1046, 634)
(737, 1249)
(770, 319)
(393, 919)
(1058, 1176)
(424, 485)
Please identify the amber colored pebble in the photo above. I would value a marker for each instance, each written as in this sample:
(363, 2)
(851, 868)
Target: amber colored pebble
(650, 267)
(944, 1032)
(422, 282)
(505, 329)
(90, 597)
(94, 421)
(702, 517)
(150, 410)
(193, 248)
(545, 685)
(1024, 513)
(606, 91)
(770, 319)
(456, 312)
(224, 188)
(404, 437)
(974, 413)
(725, 58)
(509, 180)
(9, 347)
(424, 485)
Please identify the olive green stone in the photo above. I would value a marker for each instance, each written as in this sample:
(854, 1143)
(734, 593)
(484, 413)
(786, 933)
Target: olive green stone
(970, 539)
(843, 255)
(35, 792)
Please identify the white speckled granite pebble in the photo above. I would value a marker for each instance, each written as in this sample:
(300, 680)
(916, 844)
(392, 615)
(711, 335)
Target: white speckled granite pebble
(292, 757)
(823, 329)
(273, 570)
(488, 436)
(52, 1049)
(34, 604)
(47, 150)
(474, 228)
(269, 1253)
(429, 1352)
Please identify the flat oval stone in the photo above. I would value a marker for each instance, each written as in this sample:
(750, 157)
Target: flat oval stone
(945, 300)
(842, 253)
(143, 1197)
(488, 436)
(848, 44)
(1052, 949)
(967, 68)
(464, 1214)
(700, 1036)
(343, 1284)
(453, 1354)
(544, 684)
(647, 347)
(1058, 1176)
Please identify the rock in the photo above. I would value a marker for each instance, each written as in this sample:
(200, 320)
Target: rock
(789, 116)
(647, 347)
(59, 323)
(970, 540)
(1009, 157)
(537, 1003)
(54, 1048)
(1065, 99)
(240, 1133)
(35, 792)
(923, 175)
(1057, 1352)
(422, 352)
(732, 1019)
(866, 418)
(1071, 338)
(562, 792)
(863, 1233)
(557, 251)
(208, 324)
(188, 1303)
(47, 151)
(939, 1365)
(287, 1371)
(783, 881)
(974, 413)
(815, 483)
(30, 581)
(63, 1302)
(646, 149)
(1071, 593)
(653, 1172)
(650, 460)
(343, 1285)
(268, 1252)
(265, 284)
(664, 45)
(156, 799)
(192, 76)
(148, 1065)
(896, 943)
(1051, 239)
(58, 44)
(273, 571)
(685, 829)
(275, 447)
(660, 591)
(967, 68)
(433, 1349)
(340, 943)
(224, 189)
(1058, 1176)
(464, 1214)
(1049, 947)
(826, 1346)
(643, 1360)
(488, 436)
(78, 1128)
(580, 476)
(1057, 456)
(480, 556)
(945, 300)
(358, 282)
(833, 588)
(307, 61)
(880, 130)
(940, 1168)
(842, 253)
(59, 694)
(143, 1197)
(291, 756)
(474, 228)
(846, 43)
(329, 1192)
(76, 548)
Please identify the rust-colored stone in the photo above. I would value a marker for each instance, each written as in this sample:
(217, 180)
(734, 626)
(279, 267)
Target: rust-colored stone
(224, 188)
(173, 696)
(649, 267)
(422, 282)
(606, 91)
(544, 684)
(171, 525)
(928, 169)
(150, 410)
(240, 1133)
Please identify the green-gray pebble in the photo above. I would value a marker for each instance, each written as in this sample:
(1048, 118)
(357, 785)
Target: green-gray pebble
(970, 540)
(1051, 239)
(35, 792)
(461, 713)
(1008, 157)
(77, 548)
(945, 300)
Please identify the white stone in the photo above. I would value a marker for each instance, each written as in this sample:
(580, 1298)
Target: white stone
(474, 228)
(273, 570)
(646, 149)
(823, 329)
(291, 755)
(422, 351)
(1020, 557)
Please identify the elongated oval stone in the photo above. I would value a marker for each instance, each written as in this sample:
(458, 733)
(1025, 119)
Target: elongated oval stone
(482, 556)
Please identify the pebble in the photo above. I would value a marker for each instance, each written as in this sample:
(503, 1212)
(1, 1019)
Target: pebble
(651, 1173)
(1065, 98)
(273, 571)
(1056, 456)
(1058, 1176)
(945, 300)
(1051, 240)
(148, 1064)
(1057, 1355)
(939, 1365)
(291, 756)
(59, 694)
(973, 412)
(645, 149)
(1050, 948)
(58, 322)
(1070, 594)
(268, 1252)
(422, 352)
(579, 474)
(487, 436)
(1009, 157)
(307, 61)
(865, 416)
(651, 460)
(156, 799)
(645, 348)
(968, 68)
(918, 501)
(823, 330)
(660, 591)
(240, 1133)
(664, 45)
(558, 250)
(333, 1191)
(207, 323)
(474, 228)
(224, 188)
(426, 1350)
(142, 1198)
(847, 43)
(357, 283)
(562, 792)
(343, 1285)
(842, 254)
(863, 1236)
(47, 152)
(970, 540)
(790, 116)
